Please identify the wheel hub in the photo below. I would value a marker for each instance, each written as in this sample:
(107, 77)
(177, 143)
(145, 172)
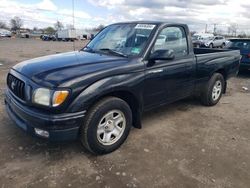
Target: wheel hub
(111, 127)
(217, 89)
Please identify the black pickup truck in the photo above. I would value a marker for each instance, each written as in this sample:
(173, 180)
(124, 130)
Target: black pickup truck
(97, 93)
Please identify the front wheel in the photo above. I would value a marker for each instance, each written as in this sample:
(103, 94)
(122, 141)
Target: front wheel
(107, 126)
(213, 90)
(211, 45)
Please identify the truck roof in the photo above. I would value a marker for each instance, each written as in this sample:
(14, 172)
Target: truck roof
(151, 22)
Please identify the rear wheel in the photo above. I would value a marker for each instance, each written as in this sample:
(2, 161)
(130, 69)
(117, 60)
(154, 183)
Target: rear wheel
(107, 126)
(212, 92)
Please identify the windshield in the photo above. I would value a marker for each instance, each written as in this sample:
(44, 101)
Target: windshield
(239, 44)
(121, 39)
(196, 37)
(208, 38)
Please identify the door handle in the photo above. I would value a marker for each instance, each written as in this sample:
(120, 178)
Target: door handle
(155, 71)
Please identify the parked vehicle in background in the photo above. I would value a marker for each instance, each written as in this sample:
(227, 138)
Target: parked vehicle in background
(48, 37)
(25, 35)
(5, 33)
(215, 42)
(73, 34)
(99, 92)
(66, 35)
(199, 39)
(244, 46)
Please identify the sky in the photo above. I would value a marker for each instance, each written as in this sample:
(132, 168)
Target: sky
(91, 13)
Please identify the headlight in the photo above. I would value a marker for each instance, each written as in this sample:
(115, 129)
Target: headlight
(47, 97)
(42, 96)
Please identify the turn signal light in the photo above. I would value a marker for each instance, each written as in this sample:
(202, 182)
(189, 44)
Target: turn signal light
(59, 97)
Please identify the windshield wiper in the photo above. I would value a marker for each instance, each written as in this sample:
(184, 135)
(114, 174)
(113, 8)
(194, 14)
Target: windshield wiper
(113, 52)
(88, 49)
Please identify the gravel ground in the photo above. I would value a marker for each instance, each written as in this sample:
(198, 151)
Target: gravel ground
(181, 145)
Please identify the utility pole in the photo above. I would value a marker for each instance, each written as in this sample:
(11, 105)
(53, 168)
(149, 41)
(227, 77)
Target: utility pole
(206, 28)
(236, 29)
(215, 28)
(73, 20)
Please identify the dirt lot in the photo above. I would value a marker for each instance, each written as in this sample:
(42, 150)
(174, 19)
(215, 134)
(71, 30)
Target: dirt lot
(181, 145)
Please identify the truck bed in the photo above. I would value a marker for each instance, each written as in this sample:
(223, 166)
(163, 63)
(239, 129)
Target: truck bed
(208, 60)
(200, 51)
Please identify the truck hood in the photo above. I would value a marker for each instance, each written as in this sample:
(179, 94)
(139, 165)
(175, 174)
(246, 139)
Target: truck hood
(54, 70)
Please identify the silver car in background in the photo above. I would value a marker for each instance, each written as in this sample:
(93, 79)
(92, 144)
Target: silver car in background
(215, 42)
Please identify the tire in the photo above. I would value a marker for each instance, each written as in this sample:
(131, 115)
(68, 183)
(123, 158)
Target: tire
(211, 94)
(223, 45)
(211, 45)
(101, 116)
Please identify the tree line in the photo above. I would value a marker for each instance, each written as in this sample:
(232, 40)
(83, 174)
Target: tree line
(16, 23)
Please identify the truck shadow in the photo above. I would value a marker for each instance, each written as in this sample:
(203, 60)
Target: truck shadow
(244, 74)
(183, 105)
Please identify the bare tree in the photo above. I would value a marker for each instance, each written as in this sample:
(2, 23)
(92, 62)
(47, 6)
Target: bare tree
(232, 29)
(3, 25)
(35, 29)
(96, 29)
(229, 31)
(16, 23)
(99, 27)
(219, 32)
(242, 35)
(58, 26)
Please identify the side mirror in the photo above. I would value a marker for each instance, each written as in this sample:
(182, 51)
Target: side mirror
(162, 55)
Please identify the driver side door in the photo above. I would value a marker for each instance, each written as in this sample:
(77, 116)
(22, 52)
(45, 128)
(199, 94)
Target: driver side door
(169, 80)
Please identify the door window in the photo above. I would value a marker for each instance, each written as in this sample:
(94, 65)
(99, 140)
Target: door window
(172, 38)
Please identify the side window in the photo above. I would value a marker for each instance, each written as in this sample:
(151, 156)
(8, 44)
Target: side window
(172, 38)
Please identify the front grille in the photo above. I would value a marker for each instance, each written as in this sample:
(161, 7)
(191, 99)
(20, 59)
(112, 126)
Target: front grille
(16, 86)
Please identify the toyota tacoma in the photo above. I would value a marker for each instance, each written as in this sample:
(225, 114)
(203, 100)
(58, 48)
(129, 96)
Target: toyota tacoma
(98, 93)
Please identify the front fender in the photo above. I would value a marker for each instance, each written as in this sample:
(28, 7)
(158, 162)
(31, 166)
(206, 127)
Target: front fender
(132, 83)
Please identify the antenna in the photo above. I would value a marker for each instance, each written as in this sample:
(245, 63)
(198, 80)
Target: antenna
(73, 19)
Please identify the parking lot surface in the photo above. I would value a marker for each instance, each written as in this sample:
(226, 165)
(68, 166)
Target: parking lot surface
(180, 145)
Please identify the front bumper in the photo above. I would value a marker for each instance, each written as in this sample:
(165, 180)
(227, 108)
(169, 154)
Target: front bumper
(197, 44)
(61, 127)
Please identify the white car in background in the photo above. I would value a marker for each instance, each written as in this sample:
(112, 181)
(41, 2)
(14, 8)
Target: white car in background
(5, 33)
(215, 42)
(161, 40)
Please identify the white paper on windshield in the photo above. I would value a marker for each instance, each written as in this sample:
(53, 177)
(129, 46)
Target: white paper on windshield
(145, 26)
